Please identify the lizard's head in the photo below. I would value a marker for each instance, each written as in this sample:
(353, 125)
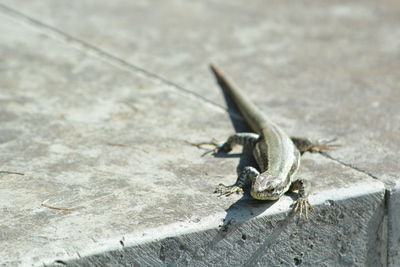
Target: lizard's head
(268, 187)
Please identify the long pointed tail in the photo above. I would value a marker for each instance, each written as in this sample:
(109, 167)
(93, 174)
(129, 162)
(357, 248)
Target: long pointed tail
(256, 119)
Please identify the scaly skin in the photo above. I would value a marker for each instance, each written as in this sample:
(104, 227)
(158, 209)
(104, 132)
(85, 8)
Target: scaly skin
(277, 155)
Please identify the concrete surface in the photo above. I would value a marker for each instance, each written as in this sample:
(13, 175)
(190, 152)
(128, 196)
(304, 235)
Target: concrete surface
(98, 97)
(393, 203)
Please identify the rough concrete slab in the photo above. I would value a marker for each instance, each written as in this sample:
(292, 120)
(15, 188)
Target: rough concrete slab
(86, 147)
(393, 203)
(320, 68)
(350, 233)
(97, 139)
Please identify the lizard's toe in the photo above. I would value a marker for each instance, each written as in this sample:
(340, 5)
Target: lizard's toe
(302, 207)
(228, 190)
(324, 144)
(216, 148)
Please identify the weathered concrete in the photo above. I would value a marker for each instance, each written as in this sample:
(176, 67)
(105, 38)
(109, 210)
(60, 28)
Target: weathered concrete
(82, 116)
(303, 55)
(393, 203)
(253, 239)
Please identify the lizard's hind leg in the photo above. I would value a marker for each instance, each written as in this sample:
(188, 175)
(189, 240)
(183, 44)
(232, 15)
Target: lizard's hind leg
(248, 173)
(244, 139)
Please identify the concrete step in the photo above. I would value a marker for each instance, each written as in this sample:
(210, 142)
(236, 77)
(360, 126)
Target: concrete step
(97, 102)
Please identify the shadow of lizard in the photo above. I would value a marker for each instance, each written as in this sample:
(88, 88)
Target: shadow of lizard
(246, 208)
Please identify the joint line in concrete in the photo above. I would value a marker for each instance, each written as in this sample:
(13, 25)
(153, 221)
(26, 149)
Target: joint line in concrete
(326, 155)
(88, 48)
(114, 60)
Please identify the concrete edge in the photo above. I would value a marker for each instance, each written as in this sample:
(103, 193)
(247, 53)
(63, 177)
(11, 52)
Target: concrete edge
(215, 221)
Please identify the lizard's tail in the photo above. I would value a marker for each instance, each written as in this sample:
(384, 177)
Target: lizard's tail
(253, 116)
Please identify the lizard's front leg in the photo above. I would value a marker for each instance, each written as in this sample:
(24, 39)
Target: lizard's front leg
(244, 139)
(305, 144)
(247, 173)
(301, 205)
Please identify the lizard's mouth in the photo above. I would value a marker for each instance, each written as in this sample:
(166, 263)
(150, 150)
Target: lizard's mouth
(265, 195)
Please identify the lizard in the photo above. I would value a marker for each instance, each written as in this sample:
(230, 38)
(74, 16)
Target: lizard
(276, 154)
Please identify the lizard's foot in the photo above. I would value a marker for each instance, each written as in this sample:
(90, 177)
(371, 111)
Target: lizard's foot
(302, 207)
(228, 190)
(323, 144)
(305, 144)
(217, 148)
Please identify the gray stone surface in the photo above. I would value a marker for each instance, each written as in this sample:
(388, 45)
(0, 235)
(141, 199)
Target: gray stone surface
(92, 131)
(393, 203)
(322, 68)
(271, 240)
(96, 138)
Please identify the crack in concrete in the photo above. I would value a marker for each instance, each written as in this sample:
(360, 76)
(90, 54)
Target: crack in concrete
(386, 224)
(93, 50)
(114, 60)
(12, 172)
(386, 198)
(326, 155)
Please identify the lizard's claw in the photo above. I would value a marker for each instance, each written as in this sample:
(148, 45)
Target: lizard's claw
(324, 144)
(211, 151)
(302, 207)
(228, 190)
(216, 147)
